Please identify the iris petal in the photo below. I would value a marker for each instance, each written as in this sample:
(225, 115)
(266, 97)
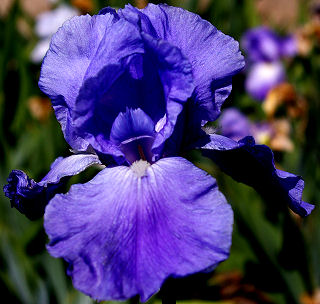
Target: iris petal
(133, 132)
(131, 124)
(64, 67)
(30, 197)
(215, 57)
(123, 234)
(123, 68)
(177, 79)
(158, 81)
(253, 165)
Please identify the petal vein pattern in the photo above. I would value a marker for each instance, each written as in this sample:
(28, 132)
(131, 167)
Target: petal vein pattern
(65, 64)
(124, 235)
(214, 56)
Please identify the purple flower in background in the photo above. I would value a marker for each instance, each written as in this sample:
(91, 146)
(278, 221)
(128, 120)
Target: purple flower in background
(288, 47)
(263, 44)
(132, 89)
(265, 49)
(262, 77)
(235, 125)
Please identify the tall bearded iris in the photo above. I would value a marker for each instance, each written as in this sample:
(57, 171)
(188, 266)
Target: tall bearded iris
(132, 89)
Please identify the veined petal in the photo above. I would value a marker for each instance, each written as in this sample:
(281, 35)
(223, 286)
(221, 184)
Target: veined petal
(109, 10)
(133, 132)
(30, 197)
(131, 70)
(177, 78)
(214, 57)
(65, 64)
(124, 232)
(69, 166)
(253, 165)
(131, 124)
(71, 52)
(108, 87)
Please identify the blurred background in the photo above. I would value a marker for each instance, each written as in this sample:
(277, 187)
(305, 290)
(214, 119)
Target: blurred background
(275, 256)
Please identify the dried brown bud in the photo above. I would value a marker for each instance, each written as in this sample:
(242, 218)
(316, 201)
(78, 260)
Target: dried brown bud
(283, 93)
(141, 3)
(40, 107)
(85, 6)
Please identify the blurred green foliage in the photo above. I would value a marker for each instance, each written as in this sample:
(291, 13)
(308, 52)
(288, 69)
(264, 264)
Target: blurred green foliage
(274, 258)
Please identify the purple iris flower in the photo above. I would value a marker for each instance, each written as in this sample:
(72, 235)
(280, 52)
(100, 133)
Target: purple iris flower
(265, 49)
(235, 125)
(132, 89)
(262, 77)
(263, 44)
(288, 46)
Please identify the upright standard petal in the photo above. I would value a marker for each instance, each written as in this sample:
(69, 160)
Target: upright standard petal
(215, 57)
(176, 75)
(253, 165)
(139, 229)
(64, 67)
(132, 70)
(30, 197)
